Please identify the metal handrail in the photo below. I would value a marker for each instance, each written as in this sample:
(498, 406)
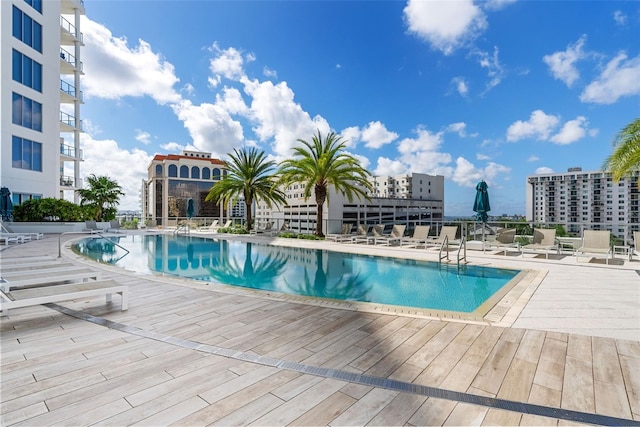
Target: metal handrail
(89, 233)
(444, 245)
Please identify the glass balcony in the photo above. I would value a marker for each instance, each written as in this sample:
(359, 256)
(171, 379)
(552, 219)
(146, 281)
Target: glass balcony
(69, 123)
(70, 60)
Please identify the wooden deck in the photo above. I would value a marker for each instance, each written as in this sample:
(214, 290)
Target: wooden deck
(189, 354)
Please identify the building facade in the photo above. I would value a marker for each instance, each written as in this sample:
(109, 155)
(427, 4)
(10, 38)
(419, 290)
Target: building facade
(580, 200)
(173, 179)
(419, 200)
(41, 97)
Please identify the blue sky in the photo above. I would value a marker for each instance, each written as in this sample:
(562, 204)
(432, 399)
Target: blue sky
(494, 90)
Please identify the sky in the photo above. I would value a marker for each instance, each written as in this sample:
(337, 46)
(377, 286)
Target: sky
(495, 90)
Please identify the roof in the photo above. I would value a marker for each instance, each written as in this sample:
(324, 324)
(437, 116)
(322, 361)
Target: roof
(177, 157)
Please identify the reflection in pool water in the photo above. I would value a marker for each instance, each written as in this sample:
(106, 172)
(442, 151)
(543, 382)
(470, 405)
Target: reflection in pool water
(309, 272)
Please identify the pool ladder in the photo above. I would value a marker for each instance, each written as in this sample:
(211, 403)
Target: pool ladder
(444, 247)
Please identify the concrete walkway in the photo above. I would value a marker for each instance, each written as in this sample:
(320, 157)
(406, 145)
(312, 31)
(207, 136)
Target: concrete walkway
(564, 349)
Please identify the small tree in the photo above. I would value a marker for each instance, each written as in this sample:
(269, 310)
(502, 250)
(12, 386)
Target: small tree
(625, 159)
(102, 196)
(320, 164)
(249, 174)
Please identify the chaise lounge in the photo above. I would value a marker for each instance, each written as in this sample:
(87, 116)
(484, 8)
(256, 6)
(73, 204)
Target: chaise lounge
(504, 240)
(544, 239)
(595, 243)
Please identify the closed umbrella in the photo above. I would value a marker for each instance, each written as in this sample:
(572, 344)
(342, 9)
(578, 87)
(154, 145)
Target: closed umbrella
(481, 204)
(190, 209)
(6, 206)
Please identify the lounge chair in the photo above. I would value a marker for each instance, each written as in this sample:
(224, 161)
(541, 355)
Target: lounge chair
(207, 228)
(7, 230)
(419, 237)
(8, 239)
(397, 232)
(636, 245)
(363, 233)
(344, 235)
(504, 240)
(225, 225)
(114, 227)
(448, 233)
(45, 277)
(264, 230)
(595, 243)
(92, 227)
(544, 239)
(49, 294)
(32, 267)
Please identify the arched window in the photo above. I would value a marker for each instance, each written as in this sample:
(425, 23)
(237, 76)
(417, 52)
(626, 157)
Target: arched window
(184, 172)
(224, 172)
(206, 173)
(216, 173)
(158, 170)
(173, 170)
(195, 172)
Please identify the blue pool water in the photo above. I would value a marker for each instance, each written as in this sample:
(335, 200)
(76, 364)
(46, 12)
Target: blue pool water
(310, 272)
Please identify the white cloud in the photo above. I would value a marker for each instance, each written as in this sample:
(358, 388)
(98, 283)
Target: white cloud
(482, 157)
(543, 170)
(269, 73)
(114, 70)
(426, 141)
(445, 25)
(210, 126)
(533, 159)
(143, 137)
(388, 167)
(458, 128)
(497, 4)
(351, 136)
(572, 131)
(619, 17)
(460, 86)
(491, 63)
(562, 64)
(620, 77)
(106, 158)
(466, 174)
(227, 63)
(375, 135)
(173, 147)
(540, 125)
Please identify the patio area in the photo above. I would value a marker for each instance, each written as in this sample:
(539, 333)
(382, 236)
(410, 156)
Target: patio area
(562, 348)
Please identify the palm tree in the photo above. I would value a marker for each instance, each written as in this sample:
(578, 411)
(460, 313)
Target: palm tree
(625, 159)
(103, 195)
(322, 163)
(249, 174)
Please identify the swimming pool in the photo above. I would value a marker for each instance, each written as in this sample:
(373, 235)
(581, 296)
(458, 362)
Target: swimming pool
(299, 271)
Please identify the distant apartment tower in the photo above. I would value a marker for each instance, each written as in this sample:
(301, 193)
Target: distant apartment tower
(419, 199)
(40, 99)
(173, 179)
(584, 200)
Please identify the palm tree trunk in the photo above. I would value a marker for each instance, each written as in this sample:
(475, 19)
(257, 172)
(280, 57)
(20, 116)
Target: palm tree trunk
(321, 196)
(247, 204)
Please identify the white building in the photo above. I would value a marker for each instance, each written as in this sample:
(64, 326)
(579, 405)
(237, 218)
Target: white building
(584, 200)
(419, 199)
(40, 99)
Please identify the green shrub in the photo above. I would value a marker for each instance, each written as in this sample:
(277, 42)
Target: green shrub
(50, 209)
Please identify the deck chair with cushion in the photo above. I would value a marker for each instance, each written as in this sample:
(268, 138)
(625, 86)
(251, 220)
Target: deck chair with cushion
(418, 238)
(114, 227)
(448, 233)
(344, 235)
(6, 229)
(91, 226)
(363, 233)
(8, 238)
(595, 243)
(207, 228)
(268, 227)
(397, 232)
(44, 295)
(46, 277)
(504, 240)
(544, 239)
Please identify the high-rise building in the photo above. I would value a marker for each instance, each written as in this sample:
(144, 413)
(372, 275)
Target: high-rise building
(580, 200)
(41, 97)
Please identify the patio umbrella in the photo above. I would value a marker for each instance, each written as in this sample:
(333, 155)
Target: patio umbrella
(6, 206)
(481, 204)
(190, 208)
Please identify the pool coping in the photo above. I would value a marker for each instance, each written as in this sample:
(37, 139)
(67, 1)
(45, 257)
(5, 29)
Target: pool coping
(501, 309)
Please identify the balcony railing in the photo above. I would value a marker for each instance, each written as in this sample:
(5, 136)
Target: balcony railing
(66, 56)
(70, 28)
(69, 120)
(67, 181)
(70, 151)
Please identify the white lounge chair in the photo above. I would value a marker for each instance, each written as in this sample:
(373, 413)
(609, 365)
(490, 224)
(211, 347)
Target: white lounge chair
(544, 239)
(8, 239)
(363, 233)
(636, 245)
(4, 228)
(397, 232)
(44, 295)
(504, 240)
(595, 243)
(92, 227)
(344, 235)
(264, 230)
(7, 268)
(419, 237)
(45, 277)
(448, 233)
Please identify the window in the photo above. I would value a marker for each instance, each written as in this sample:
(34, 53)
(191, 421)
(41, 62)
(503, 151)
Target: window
(27, 112)
(19, 198)
(173, 171)
(36, 4)
(158, 170)
(195, 172)
(26, 154)
(216, 173)
(27, 71)
(27, 30)
(206, 173)
(184, 172)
